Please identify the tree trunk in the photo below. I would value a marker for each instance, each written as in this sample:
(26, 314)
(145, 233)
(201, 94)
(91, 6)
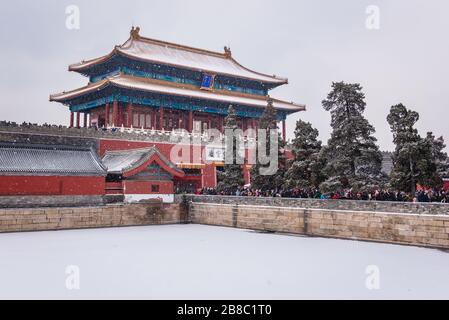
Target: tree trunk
(412, 176)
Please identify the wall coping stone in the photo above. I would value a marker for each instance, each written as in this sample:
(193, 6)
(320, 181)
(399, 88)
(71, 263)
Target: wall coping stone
(326, 210)
(354, 205)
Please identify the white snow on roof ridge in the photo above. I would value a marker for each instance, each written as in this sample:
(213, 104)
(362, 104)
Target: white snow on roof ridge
(182, 56)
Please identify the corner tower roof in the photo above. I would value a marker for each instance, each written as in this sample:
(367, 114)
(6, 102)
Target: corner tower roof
(161, 52)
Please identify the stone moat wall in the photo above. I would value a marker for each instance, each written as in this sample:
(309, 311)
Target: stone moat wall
(119, 215)
(412, 224)
(398, 223)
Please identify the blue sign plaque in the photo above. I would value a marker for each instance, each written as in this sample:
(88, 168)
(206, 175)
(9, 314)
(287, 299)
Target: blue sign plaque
(208, 81)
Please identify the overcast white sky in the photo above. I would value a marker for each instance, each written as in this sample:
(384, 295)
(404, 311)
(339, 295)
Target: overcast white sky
(311, 42)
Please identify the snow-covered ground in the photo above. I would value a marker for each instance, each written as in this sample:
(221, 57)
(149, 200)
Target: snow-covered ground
(201, 262)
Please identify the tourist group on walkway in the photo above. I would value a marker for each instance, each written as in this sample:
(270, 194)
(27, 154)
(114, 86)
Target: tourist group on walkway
(421, 196)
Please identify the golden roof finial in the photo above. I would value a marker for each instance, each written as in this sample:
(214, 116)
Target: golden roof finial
(135, 32)
(228, 52)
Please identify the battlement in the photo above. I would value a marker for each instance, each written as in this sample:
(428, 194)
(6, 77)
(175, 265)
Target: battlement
(174, 137)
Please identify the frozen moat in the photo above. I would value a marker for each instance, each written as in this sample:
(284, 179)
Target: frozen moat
(202, 262)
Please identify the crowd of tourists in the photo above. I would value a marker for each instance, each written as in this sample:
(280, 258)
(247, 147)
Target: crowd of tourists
(377, 195)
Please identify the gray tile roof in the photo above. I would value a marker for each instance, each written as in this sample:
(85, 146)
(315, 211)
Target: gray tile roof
(119, 162)
(49, 160)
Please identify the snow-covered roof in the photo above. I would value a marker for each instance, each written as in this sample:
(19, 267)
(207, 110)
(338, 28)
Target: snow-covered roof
(161, 52)
(169, 88)
(123, 161)
(48, 160)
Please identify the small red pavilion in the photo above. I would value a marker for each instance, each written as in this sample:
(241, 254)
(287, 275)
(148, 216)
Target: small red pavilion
(141, 174)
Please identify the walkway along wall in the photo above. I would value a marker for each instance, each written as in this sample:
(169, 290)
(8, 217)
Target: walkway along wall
(429, 230)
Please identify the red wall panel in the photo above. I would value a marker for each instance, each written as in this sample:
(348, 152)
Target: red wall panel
(51, 185)
(144, 187)
(209, 177)
(446, 185)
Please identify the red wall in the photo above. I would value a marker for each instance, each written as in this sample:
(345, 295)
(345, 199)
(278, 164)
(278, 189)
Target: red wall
(144, 187)
(51, 185)
(114, 145)
(209, 176)
(446, 185)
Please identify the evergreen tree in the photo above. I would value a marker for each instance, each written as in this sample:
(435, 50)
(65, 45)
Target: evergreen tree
(414, 157)
(232, 177)
(352, 156)
(440, 157)
(268, 122)
(305, 171)
(438, 166)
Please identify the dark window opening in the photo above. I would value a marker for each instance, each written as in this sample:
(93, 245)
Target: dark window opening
(114, 178)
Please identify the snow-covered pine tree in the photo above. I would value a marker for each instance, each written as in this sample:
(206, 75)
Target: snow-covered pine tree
(439, 156)
(305, 170)
(268, 121)
(412, 160)
(232, 177)
(352, 156)
(438, 165)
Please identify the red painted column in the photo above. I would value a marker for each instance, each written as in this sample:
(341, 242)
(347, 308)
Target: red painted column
(153, 119)
(72, 118)
(246, 174)
(161, 118)
(284, 131)
(85, 120)
(115, 113)
(119, 116)
(181, 116)
(107, 114)
(78, 115)
(190, 128)
(130, 115)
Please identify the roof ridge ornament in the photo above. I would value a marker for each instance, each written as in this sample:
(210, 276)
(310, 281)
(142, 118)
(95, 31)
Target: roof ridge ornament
(228, 53)
(135, 33)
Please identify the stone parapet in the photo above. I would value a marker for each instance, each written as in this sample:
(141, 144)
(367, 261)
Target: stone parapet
(372, 206)
(395, 228)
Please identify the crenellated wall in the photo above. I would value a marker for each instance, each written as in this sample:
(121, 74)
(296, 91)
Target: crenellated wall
(67, 134)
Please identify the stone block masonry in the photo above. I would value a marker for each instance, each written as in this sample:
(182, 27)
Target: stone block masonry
(34, 219)
(318, 218)
(396, 228)
(370, 206)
